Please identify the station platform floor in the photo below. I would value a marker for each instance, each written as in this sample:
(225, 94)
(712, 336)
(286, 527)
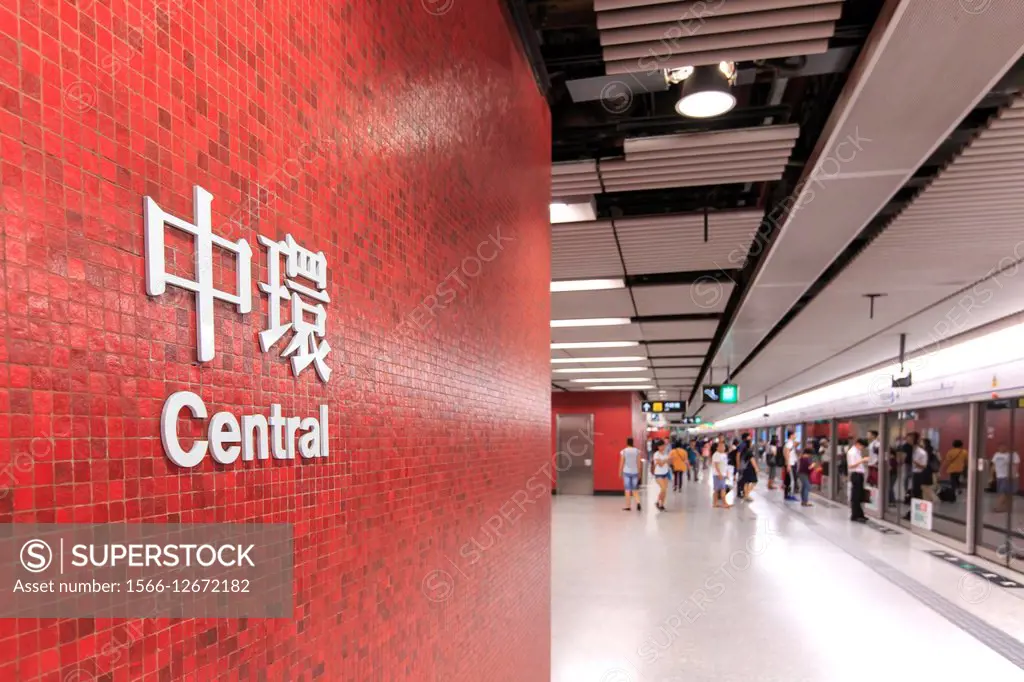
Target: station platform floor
(766, 591)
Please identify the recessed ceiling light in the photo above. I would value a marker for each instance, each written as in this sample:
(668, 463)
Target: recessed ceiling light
(573, 210)
(595, 344)
(619, 358)
(619, 388)
(587, 285)
(591, 322)
(610, 380)
(593, 370)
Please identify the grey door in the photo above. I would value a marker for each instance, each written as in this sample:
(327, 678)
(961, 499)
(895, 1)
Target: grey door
(575, 456)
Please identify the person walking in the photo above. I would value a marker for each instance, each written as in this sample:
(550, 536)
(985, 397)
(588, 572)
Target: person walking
(803, 470)
(856, 464)
(629, 472)
(679, 465)
(691, 457)
(662, 472)
(719, 473)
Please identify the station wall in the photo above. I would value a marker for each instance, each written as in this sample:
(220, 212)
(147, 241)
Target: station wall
(409, 143)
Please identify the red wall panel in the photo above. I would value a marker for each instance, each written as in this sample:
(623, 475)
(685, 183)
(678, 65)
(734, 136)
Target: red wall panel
(614, 421)
(406, 140)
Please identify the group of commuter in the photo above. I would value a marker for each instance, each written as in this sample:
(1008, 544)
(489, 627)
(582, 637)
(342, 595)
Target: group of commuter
(666, 465)
(737, 465)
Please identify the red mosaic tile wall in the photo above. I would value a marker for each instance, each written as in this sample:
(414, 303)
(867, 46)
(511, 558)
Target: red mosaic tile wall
(407, 140)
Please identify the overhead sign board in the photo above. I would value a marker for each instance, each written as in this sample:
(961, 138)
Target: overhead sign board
(659, 406)
(721, 393)
(689, 421)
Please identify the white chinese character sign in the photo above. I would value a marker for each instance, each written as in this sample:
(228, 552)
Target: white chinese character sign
(304, 285)
(304, 348)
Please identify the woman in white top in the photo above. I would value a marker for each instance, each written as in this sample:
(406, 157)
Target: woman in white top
(719, 471)
(662, 471)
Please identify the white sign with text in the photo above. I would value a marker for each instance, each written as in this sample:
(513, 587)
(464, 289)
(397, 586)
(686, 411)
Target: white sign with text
(303, 291)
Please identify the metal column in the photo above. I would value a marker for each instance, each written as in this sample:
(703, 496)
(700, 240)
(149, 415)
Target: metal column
(974, 442)
(883, 465)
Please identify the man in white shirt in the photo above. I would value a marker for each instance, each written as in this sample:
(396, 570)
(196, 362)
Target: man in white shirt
(790, 474)
(856, 459)
(1002, 460)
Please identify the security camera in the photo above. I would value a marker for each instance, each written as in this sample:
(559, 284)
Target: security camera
(765, 415)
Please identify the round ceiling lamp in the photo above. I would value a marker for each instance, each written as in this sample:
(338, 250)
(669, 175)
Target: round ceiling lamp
(706, 92)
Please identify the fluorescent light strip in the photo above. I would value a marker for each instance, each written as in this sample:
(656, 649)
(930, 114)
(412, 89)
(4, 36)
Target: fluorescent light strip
(587, 285)
(620, 358)
(595, 344)
(609, 380)
(619, 388)
(1000, 347)
(591, 322)
(595, 370)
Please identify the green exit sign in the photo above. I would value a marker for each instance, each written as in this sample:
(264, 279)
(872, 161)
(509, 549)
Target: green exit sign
(721, 393)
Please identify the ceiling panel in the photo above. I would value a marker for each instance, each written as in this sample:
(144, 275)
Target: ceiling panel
(676, 244)
(946, 239)
(695, 362)
(869, 150)
(637, 350)
(696, 329)
(584, 251)
(569, 179)
(580, 304)
(704, 296)
(700, 159)
(676, 374)
(661, 349)
(623, 332)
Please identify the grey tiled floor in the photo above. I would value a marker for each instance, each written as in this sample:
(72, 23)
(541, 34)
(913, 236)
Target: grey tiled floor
(759, 593)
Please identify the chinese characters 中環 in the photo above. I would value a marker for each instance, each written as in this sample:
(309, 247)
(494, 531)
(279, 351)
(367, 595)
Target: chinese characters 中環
(304, 286)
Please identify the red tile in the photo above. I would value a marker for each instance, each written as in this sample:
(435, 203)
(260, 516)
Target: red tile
(397, 142)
